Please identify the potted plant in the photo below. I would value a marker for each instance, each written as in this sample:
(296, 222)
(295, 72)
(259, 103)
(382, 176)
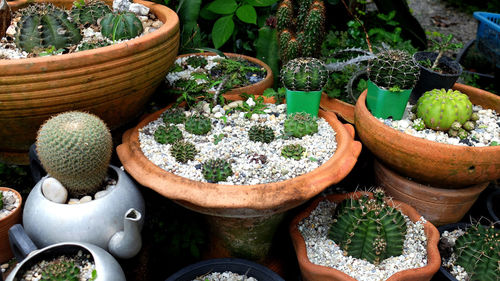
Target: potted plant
(10, 214)
(82, 192)
(392, 75)
(113, 82)
(304, 79)
(366, 230)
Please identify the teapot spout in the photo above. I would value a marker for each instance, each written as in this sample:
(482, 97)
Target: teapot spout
(127, 243)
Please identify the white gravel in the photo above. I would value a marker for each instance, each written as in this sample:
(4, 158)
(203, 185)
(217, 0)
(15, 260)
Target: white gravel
(449, 262)
(10, 203)
(224, 276)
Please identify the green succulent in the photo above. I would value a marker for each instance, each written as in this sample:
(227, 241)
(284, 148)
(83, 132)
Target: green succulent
(174, 116)
(304, 74)
(88, 13)
(216, 170)
(61, 271)
(300, 124)
(183, 151)
(198, 124)
(261, 134)
(393, 69)
(168, 135)
(117, 26)
(418, 124)
(294, 151)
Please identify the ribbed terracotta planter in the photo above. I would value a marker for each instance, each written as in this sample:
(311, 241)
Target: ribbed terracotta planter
(5, 224)
(113, 82)
(243, 217)
(253, 89)
(314, 272)
(442, 165)
(343, 109)
(440, 206)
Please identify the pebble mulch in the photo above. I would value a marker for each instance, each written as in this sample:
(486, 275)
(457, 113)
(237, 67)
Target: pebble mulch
(224, 276)
(10, 203)
(447, 241)
(323, 251)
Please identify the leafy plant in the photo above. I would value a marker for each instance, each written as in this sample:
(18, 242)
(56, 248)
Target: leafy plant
(279, 95)
(257, 108)
(441, 43)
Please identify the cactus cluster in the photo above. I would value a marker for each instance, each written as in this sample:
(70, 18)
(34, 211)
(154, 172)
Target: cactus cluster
(116, 26)
(261, 134)
(300, 124)
(168, 134)
(304, 74)
(216, 170)
(61, 271)
(89, 13)
(478, 252)
(75, 148)
(198, 125)
(300, 25)
(393, 69)
(367, 228)
(183, 151)
(293, 151)
(174, 116)
(197, 61)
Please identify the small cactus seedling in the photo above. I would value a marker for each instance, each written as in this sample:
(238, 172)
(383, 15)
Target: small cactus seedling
(300, 124)
(61, 271)
(418, 124)
(198, 125)
(261, 134)
(183, 151)
(197, 61)
(168, 135)
(304, 74)
(393, 69)
(174, 116)
(88, 13)
(367, 228)
(116, 26)
(293, 151)
(216, 170)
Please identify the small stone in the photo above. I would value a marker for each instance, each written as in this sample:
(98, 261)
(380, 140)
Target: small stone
(73, 201)
(100, 194)
(206, 108)
(85, 199)
(156, 24)
(4, 266)
(138, 9)
(218, 115)
(121, 5)
(54, 191)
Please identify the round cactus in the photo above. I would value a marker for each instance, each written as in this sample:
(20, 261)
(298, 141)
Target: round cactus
(75, 148)
(418, 124)
(300, 124)
(174, 116)
(368, 229)
(440, 108)
(169, 135)
(88, 13)
(216, 170)
(183, 151)
(304, 74)
(393, 68)
(60, 270)
(261, 134)
(118, 26)
(198, 125)
(294, 151)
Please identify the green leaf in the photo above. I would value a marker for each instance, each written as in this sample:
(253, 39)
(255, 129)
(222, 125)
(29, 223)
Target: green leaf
(222, 7)
(267, 48)
(261, 3)
(222, 30)
(189, 11)
(247, 13)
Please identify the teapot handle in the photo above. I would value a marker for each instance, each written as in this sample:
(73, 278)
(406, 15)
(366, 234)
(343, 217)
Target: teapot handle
(20, 243)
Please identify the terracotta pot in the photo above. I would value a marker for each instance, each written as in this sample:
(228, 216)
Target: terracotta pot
(254, 89)
(341, 108)
(314, 272)
(245, 216)
(442, 165)
(113, 82)
(438, 205)
(5, 224)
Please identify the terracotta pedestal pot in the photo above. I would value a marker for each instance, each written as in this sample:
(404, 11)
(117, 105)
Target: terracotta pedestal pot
(341, 108)
(243, 217)
(438, 205)
(5, 224)
(314, 272)
(442, 165)
(113, 82)
(253, 89)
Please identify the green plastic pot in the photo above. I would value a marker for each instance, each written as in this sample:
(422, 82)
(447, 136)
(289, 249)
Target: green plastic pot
(384, 103)
(302, 101)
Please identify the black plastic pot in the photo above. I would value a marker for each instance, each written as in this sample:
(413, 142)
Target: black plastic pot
(239, 266)
(430, 79)
(443, 274)
(493, 206)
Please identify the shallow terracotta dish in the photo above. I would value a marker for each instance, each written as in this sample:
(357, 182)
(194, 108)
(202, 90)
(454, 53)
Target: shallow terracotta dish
(314, 272)
(113, 82)
(342, 108)
(5, 224)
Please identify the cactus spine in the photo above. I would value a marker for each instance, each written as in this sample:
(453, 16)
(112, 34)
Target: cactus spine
(118, 26)
(183, 151)
(89, 13)
(198, 125)
(261, 134)
(300, 124)
(304, 74)
(168, 135)
(216, 170)
(393, 68)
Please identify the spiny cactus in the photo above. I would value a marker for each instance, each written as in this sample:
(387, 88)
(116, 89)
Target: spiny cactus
(440, 108)
(75, 148)
(261, 134)
(116, 26)
(304, 74)
(174, 116)
(88, 13)
(61, 271)
(300, 124)
(42, 26)
(300, 25)
(198, 125)
(183, 151)
(216, 170)
(197, 61)
(418, 124)
(168, 135)
(368, 229)
(294, 151)
(393, 68)
(478, 252)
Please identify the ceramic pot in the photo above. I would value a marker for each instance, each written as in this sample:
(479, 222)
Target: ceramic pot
(243, 217)
(6, 223)
(438, 205)
(343, 109)
(441, 165)
(313, 272)
(112, 82)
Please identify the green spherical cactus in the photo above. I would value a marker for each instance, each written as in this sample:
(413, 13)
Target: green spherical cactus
(393, 68)
(60, 270)
(183, 151)
(168, 134)
(293, 151)
(197, 61)
(75, 148)
(300, 124)
(369, 229)
(478, 252)
(440, 108)
(418, 124)
(198, 125)
(42, 26)
(174, 116)
(261, 134)
(216, 170)
(116, 26)
(88, 13)
(304, 74)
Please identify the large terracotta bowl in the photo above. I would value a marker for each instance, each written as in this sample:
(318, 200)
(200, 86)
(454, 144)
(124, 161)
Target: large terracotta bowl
(314, 272)
(442, 165)
(113, 82)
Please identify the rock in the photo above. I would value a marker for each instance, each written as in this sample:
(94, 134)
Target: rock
(138, 9)
(250, 102)
(233, 104)
(54, 191)
(121, 5)
(100, 194)
(85, 199)
(73, 201)
(206, 108)
(4, 266)
(254, 117)
(218, 115)
(156, 24)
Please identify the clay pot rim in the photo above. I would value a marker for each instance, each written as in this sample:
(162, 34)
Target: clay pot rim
(339, 107)
(18, 208)
(431, 232)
